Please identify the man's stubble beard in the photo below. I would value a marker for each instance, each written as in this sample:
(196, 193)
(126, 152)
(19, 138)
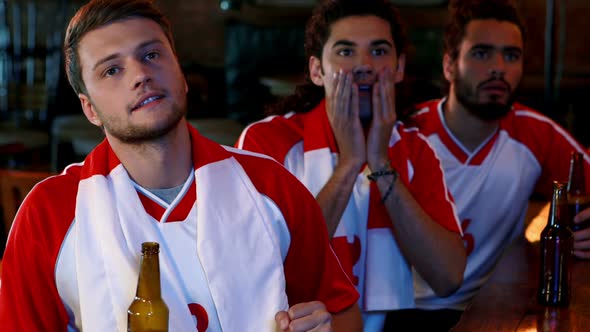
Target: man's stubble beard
(489, 111)
(139, 134)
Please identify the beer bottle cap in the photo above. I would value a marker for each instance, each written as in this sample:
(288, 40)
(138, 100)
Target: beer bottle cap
(150, 248)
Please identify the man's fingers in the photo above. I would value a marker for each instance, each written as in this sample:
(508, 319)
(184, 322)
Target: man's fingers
(584, 254)
(384, 97)
(583, 215)
(304, 309)
(376, 101)
(582, 234)
(311, 316)
(282, 319)
(582, 244)
(346, 94)
(354, 107)
(317, 321)
(388, 93)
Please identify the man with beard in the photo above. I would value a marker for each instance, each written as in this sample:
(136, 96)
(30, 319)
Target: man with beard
(379, 185)
(237, 251)
(495, 153)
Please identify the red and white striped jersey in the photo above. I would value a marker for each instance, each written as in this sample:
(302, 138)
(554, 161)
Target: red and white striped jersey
(492, 185)
(39, 290)
(363, 241)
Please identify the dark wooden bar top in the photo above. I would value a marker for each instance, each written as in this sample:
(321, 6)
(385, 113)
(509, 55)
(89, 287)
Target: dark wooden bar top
(508, 302)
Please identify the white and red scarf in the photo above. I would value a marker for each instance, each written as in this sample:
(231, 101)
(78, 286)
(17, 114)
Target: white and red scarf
(236, 244)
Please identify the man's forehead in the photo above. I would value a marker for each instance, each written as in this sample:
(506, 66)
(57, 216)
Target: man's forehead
(360, 26)
(132, 27)
(119, 35)
(492, 32)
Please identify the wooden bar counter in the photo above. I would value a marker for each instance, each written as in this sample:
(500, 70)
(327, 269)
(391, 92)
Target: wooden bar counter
(508, 301)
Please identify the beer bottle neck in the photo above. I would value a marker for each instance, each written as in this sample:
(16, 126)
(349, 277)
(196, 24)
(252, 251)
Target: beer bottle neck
(559, 208)
(558, 215)
(148, 285)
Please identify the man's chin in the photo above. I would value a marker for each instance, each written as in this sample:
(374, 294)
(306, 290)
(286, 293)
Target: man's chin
(490, 111)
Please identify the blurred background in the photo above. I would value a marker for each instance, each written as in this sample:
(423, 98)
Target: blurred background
(239, 55)
(252, 52)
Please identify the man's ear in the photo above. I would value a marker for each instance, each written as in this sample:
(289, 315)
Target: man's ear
(401, 66)
(89, 110)
(448, 68)
(315, 71)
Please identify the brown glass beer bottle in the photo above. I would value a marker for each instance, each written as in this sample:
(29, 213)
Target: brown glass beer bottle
(578, 198)
(148, 311)
(556, 251)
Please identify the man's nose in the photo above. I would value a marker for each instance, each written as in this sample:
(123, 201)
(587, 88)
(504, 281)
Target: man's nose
(498, 65)
(365, 62)
(140, 74)
(364, 68)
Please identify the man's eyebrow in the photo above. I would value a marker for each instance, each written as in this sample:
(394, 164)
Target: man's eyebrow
(489, 47)
(486, 47)
(379, 42)
(343, 42)
(513, 49)
(116, 55)
(105, 59)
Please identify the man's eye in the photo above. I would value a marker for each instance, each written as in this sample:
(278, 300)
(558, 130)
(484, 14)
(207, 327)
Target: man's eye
(511, 57)
(345, 52)
(152, 55)
(379, 51)
(479, 54)
(111, 71)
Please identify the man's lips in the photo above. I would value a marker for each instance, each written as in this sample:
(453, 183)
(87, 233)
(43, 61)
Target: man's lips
(497, 86)
(146, 100)
(364, 80)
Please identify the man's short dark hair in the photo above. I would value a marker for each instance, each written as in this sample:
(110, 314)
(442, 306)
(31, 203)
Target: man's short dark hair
(317, 30)
(98, 13)
(464, 11)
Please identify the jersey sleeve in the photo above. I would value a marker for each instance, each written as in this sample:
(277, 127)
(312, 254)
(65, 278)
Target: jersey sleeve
(29, 300)
(427, 183)
(253, 139)
(552, 146)
(555, 162)
(273, 136)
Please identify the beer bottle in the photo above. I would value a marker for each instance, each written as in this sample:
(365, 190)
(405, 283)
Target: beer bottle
(578, 198)
(148, 311)
(556, 251)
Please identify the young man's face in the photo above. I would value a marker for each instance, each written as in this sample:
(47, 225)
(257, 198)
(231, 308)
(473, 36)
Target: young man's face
(135, 88)
(488, 68)
(359, 44)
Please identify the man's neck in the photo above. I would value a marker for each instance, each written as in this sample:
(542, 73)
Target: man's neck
(470, 130)
(164, 163)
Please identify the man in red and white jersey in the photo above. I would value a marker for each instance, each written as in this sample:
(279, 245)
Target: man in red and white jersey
(379, 185)
(495, 153)
(237, 251)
